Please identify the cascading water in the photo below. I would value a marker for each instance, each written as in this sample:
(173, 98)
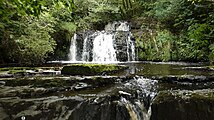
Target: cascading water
(72, 50)
(85, 53)
(123, 27)
(113, 44)
(140, 108)
(103, 50)
(131, 49)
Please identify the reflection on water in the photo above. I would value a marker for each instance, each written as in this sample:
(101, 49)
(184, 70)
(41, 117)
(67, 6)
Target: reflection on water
(165, 68)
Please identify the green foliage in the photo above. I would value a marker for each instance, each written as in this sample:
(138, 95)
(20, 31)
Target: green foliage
(29, 41)
(32, 30)
(194, 45)
(130, 8)
(95, 14)
(27, 29)
(36, 43)
(69, 26)
(190, 21)
(158, 47)
(165, 9)
(211, 55)
(164, 39)
(31, 7)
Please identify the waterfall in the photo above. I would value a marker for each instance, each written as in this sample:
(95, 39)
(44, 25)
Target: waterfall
(103, 50)
(131, 48)
(114, 44)
(123, 27)
(72, 50)
(146, 90)
(85, 54)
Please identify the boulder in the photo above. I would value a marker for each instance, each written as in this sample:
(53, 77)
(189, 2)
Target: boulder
(183, 105)
(91, 69)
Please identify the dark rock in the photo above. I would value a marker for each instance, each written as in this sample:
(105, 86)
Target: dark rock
(6, 75)
(184, 78)
(121, 45)
(81, 86)
(71, 108)
(2, 83)
(183, 105)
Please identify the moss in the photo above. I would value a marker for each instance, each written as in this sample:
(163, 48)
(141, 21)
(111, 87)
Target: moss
(163, 96)
(4, 69)
(176, 95)
(53, 84)
(16, 71)
(38, 82)
(91, 69)
(46, 68)
(210, 67)
(184, 104)
(29, 68)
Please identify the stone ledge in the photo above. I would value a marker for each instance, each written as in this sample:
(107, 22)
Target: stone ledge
(91, 69)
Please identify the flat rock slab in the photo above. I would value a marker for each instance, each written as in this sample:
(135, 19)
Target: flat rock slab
(184, 78)
(42, 86)
(91, 69)
(63, 108)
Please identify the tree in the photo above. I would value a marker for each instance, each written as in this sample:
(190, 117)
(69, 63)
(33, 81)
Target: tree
(25, 29)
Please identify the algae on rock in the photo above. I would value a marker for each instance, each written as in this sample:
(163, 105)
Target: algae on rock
(91, 69)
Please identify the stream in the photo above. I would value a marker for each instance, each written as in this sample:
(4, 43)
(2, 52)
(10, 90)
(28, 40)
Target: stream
(144, 91)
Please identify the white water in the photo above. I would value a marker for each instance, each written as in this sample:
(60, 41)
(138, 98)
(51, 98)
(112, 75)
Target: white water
(85, 54)
(131, 46)
(146, 91)
(103, 48)
(123, 27)
(72, 50)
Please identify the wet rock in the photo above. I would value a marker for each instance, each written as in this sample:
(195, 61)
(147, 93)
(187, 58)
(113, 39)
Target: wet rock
(6, 75)
(202, 68)
(2, 83)
(23, 91)
(81, 86)
(120, 102)
(124, 93)
(184, 78)
(183, 105)
(121, 44)
(69, 108)
(91, 69)
(38, 87)
(105, 110)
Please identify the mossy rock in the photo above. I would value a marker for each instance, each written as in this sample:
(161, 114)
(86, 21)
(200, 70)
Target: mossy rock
(91, 69)
(183, 105)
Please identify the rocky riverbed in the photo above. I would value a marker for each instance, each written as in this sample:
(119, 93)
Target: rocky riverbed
(163, 91)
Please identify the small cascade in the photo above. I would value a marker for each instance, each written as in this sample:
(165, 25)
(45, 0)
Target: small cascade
(124, 26)
(129, 101)
(114, 44)
(139, 108)
(72, 50)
